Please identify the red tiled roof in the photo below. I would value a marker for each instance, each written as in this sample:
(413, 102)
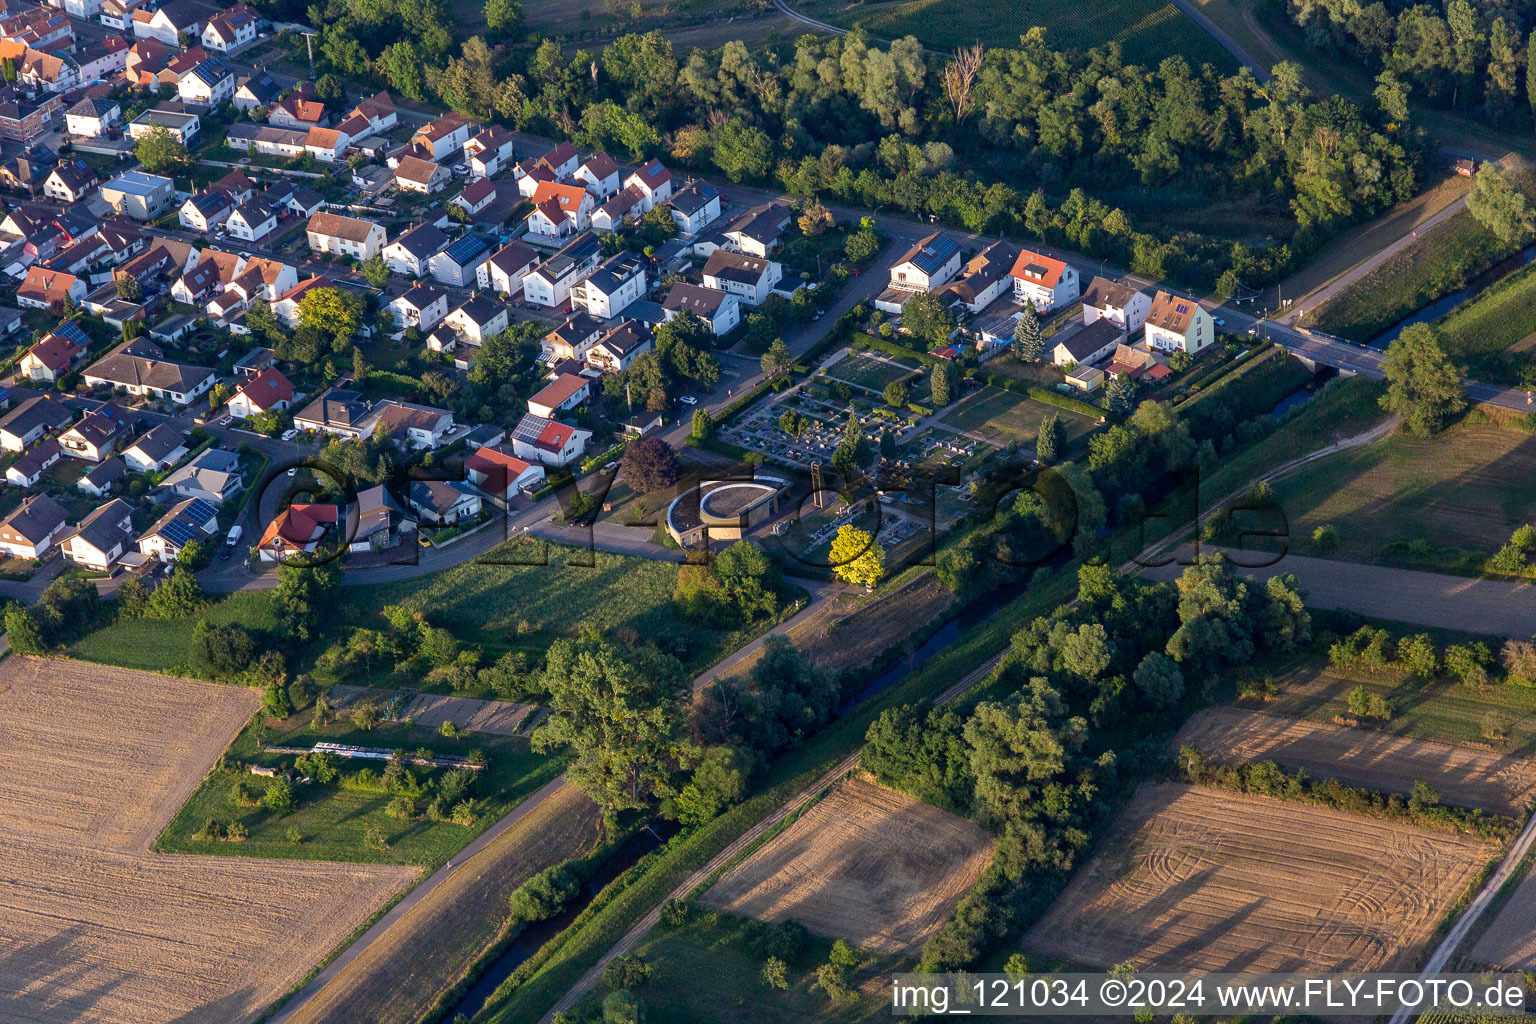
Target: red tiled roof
(267, 388)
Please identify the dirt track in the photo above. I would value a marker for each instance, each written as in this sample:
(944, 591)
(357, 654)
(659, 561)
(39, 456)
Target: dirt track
(93, 926)
(495, 717)
(1465, 777)
(1199, 880)
(865, 864)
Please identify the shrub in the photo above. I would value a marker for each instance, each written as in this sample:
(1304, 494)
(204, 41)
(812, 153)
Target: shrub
(279, 797)
(1325, 538)
(1467, 663)
(545, 894)
(626, 971)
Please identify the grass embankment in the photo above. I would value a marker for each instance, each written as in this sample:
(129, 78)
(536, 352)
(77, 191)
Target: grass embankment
(1502, 318)
(332, 821)
(1437, 263)
(1444, 503)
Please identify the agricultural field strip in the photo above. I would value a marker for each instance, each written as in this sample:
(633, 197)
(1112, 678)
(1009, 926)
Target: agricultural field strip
(866, 863)
(98, 928)
(1189, 880)
(1464, 776)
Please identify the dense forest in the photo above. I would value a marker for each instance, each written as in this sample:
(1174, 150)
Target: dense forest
(1017, 140)
(1454, 54)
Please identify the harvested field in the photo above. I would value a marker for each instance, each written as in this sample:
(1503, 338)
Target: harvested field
(93, 760)
(496, 717)
(1510, 941)
(396, 979)
(1200, 880)
(1464, 776)
(865, 864)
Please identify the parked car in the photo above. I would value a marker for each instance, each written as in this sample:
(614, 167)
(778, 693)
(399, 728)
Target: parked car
(688, 400)
(290, 433)
(231, 540)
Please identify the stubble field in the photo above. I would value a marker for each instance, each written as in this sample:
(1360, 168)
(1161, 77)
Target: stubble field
(1200, 880)
(93, 761)
(1464, 776)
(865, 864)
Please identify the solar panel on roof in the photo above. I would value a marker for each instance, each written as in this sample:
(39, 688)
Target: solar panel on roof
(179, 531)
(71, 330)
(200, 510)
(528, 428)
(1182, 308)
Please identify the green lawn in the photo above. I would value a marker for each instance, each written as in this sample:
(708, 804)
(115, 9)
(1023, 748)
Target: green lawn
(1002, 416)
(868, 372)
(1500, 318)
(720, 948)
(1439, 710)
(333, 821)
(1147, 30)
(495, 607)
(1441, 502)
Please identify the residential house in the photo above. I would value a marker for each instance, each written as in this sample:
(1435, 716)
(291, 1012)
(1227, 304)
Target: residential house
(252, 221)
(44, 289)
(264, 279)
(653, 182)
(337, 410)
(157, 450)
(550, 283)
(139, 195)
(104, 62)
(214, 271)
(378, 110)
(1137, 362)
(174, 24)
(96, 435)
(26, 119)
(55, 352)
(409, 252)
(759, 231)
(617, 281)
(444, 136)
(1087, 344)
(239, 187)
(560, 210)
(599, 174)
(92, 118)
(32, 529)
(1047, 283)
(443, 502)
(102, 537)
(458, 263)
(267, 391)
(188, 520)
(619, 347)
(303, 202)
(927, 265)
(119, 13)
(144, 64)
(750, 278)
(565, 392)
(719, 310)
(1121, 304)
(480, 318)
(298, 110)
(1176, 323)
(29, 469)
(498, 472)
(231, 28)
(489, 151)
(414, 174)
(548, 442)
(287, 143)
(571, 339)
(475, 196)
(504, 272)
(27, 173)
(258, 90)
(30, 420)
(47, 72)
(626, 206)
(380, 522)
(213, 475)
(142, 369)
(204, 211)
(102, 478)
(985, 277)
(420, 306)
(210, 83)
(349, 236)
(413, 427)
(695, 208)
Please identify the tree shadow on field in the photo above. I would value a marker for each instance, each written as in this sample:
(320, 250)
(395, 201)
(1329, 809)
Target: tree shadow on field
(50, 980)
(229, 1007)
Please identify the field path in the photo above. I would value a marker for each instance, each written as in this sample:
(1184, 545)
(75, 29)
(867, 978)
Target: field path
(785, 9)
(1229, 44)
(1474, 911)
